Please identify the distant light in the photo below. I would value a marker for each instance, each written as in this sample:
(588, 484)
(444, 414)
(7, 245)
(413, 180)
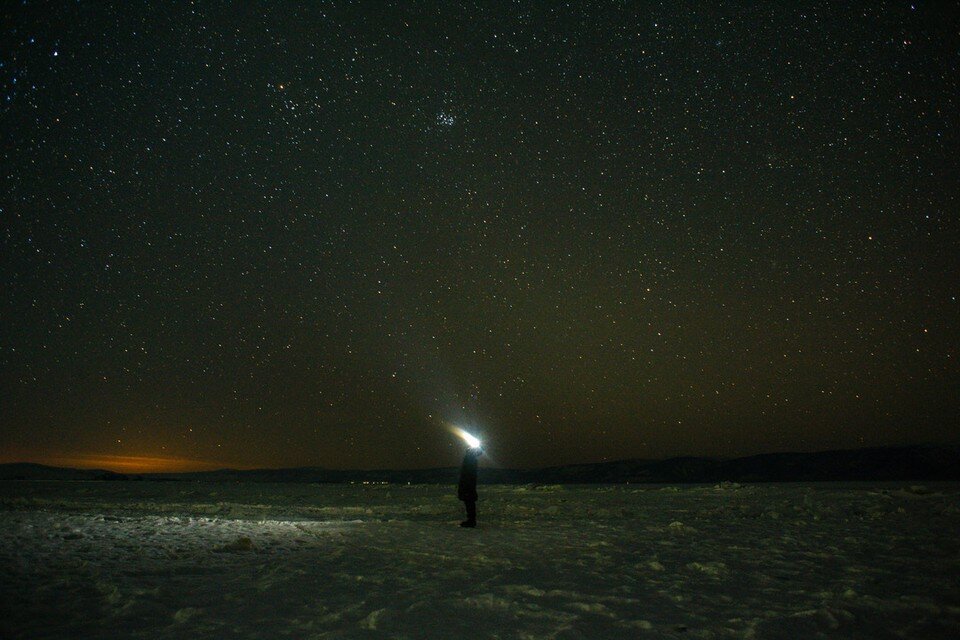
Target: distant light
(472, 441)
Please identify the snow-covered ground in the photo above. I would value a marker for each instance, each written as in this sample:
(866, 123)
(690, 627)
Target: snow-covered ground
(204, 560)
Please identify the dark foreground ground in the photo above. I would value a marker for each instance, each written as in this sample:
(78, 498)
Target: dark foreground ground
(229, 560)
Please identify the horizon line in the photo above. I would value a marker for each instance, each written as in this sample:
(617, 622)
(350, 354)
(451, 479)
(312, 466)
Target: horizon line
(148, 465)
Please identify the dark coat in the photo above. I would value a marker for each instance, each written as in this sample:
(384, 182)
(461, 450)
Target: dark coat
(467, 489)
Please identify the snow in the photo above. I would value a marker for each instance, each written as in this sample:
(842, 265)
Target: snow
(208, 560)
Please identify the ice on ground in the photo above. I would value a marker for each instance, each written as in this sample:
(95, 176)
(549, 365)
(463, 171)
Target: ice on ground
(195, 560)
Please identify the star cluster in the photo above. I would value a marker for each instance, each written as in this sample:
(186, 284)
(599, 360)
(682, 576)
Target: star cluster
(269, 234)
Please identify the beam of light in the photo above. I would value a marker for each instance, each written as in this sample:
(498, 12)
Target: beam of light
(472, 441)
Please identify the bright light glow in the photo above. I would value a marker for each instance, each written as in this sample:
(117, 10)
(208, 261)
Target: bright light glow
(126, 464)
(472, 441)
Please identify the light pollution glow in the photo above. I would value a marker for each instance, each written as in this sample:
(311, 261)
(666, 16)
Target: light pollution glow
(132, 464)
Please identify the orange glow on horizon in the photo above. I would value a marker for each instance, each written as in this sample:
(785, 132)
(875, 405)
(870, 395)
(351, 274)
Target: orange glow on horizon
(131, 464)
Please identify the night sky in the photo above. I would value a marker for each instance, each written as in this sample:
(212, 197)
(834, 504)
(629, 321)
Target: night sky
(261, 234)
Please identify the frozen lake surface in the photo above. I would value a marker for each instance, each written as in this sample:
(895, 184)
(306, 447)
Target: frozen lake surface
(208, 560)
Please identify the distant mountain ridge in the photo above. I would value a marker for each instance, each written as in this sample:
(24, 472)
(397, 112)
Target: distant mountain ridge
(34, 471)
(920, 462)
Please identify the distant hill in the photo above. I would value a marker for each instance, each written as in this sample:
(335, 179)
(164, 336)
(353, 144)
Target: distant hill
(31, 471)
(879, 463)
(923, 462)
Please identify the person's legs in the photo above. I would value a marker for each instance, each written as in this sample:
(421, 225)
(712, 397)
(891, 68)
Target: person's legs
(471, 520)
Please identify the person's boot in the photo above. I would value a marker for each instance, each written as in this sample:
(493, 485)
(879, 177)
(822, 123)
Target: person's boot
(469, 523)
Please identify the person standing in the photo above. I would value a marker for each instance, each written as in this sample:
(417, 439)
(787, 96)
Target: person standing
(467, 488)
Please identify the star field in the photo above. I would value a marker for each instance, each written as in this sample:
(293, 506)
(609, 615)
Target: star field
(265, 234)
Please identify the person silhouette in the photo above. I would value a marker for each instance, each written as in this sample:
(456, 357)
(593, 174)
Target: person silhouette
(467, 488)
